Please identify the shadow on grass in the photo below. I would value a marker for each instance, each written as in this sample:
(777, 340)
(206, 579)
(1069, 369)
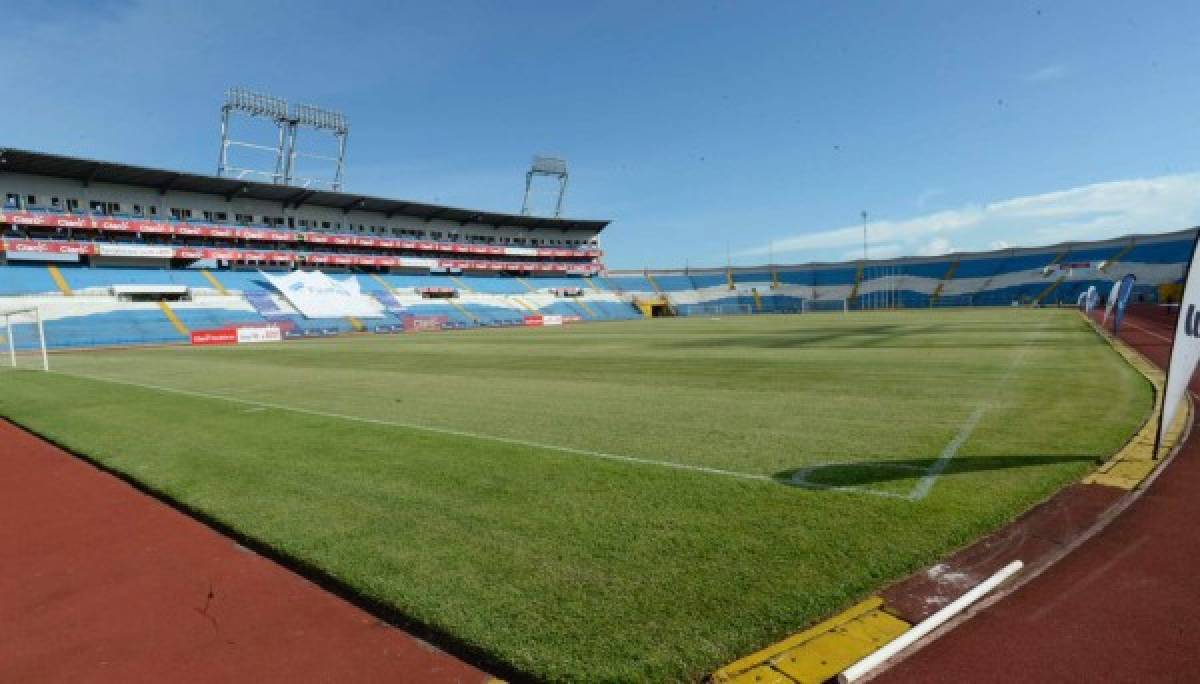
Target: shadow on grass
(962, 336)
(871, 472)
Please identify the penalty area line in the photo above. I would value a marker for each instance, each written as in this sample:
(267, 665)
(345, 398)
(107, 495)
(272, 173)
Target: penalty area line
(266, 405)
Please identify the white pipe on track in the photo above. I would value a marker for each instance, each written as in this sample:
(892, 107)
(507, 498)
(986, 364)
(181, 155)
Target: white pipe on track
(863, 667)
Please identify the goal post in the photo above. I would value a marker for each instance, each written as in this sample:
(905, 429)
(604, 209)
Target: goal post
(815, 305)
(13, 322)
(723, 309)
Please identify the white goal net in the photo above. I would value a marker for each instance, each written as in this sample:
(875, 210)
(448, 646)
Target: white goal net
(727, 308)
(24, 338)
(815, 305)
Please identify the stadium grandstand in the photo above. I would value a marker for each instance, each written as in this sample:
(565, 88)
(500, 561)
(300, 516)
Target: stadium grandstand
(113, 254)
(1038, 276)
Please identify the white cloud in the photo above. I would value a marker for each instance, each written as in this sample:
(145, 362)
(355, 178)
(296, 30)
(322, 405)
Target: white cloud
(1088, 212)
(936, 247)
(925, 197)
(1052, 72)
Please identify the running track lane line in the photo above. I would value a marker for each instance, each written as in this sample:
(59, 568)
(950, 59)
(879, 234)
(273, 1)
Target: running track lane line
(1149, 332)
(432, 429)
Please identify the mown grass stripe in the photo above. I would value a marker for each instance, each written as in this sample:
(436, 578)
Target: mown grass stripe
(434, 429)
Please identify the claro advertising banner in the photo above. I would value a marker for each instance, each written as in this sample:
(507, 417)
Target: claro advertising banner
(249, 334)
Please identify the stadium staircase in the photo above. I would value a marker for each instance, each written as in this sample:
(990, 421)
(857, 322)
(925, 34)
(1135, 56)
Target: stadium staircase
(1114, 259)
(462, 284)
(588, 313)
(1047, 292)
(215, 283)
(937, 291)
(463, 310)
(987, 283)
(524, 282)
(525, 304)
(858, 278)
(379, 279)
(654, 284)
(174, 319)
(59, 280)
(729, 279)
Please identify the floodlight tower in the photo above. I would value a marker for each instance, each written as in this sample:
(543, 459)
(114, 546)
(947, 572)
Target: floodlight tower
(288, 120)
(321, 120)
(254, 105)
(552, 167)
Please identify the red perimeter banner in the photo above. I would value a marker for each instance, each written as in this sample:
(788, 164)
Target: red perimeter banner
(215, 336)
(533, 321)
(150, 226)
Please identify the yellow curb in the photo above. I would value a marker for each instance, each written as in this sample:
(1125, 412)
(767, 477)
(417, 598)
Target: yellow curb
(821, 651)
(1135, 461)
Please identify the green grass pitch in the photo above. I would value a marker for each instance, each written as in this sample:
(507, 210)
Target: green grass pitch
(620, 501)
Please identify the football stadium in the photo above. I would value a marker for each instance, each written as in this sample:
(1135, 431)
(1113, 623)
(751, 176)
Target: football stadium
(341, 412)
(556, 471)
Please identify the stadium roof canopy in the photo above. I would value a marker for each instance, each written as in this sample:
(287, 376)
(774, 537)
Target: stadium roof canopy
(89, 171)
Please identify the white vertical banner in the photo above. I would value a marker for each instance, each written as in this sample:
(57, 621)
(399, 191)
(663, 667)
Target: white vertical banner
(1185, 352)
(1112, 299)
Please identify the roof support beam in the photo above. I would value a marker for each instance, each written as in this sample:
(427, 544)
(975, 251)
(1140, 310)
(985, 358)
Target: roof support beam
(235, 192)
(91, 175)
(298, 199)
(162, 189)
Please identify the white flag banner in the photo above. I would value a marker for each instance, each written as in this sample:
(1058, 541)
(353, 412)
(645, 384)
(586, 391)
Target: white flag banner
(1112, 299)
(1186, 351)
(1092, 296)
(316, 295)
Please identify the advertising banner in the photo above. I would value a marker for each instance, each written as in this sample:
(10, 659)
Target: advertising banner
(215, 336)
(1112, 300)
(424, 323)
(259, 333)
(1122, 300)
(1185, 352)
(138, 251)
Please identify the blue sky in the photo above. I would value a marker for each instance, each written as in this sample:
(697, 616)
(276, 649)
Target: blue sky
(749, 128)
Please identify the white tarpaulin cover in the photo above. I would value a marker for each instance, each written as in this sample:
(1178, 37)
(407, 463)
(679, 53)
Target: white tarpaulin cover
(1186, 351)
(316, 295)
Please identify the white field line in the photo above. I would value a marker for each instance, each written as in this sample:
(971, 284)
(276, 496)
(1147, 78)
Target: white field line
(925, 484)
(931, 475)
(266, 405)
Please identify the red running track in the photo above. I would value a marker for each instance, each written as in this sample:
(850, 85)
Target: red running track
(102, 583)
(1123, 607)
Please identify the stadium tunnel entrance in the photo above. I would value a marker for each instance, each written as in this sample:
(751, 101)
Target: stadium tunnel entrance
(655, 307)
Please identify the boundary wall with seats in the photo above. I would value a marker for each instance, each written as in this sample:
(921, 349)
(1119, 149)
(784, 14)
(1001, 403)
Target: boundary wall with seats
(90, 306)
(1054, 275)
